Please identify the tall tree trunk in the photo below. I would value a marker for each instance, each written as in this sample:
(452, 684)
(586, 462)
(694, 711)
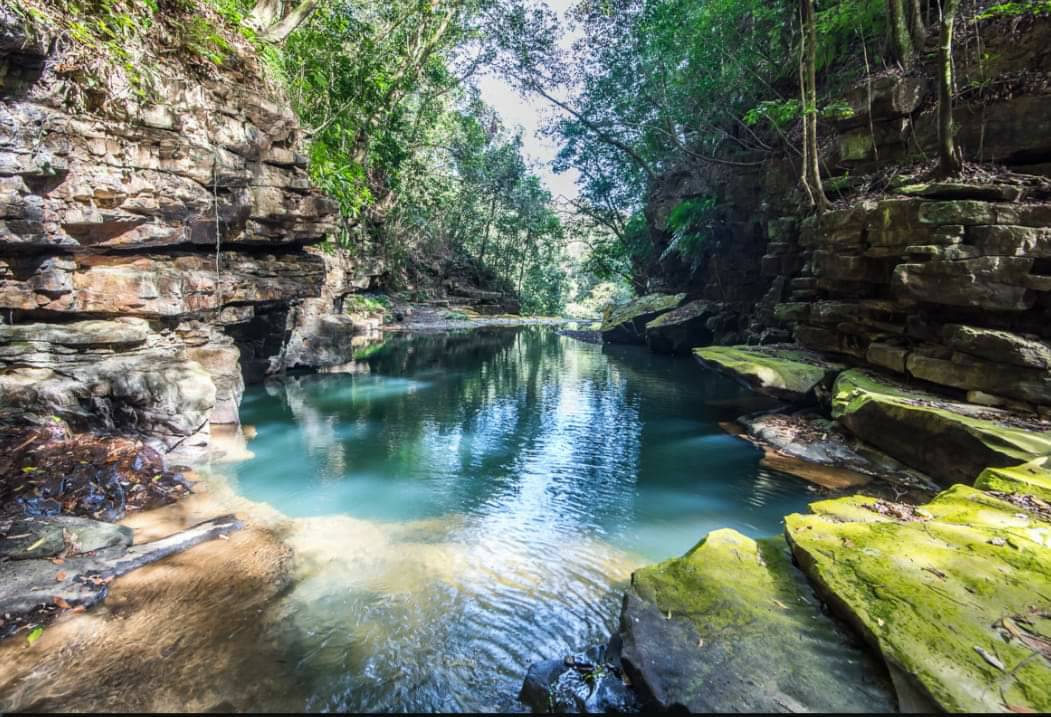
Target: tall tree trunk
(917, 25)
(488, 226)
(949, 161)
(808, 72)
(900, 39)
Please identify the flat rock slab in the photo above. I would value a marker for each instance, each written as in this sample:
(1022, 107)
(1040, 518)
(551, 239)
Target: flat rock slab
(682, 329)
(627, 324)
(28, 537)
(953, 442)
(787, 373)
(817, 450)
(956, 595)
(733, 627)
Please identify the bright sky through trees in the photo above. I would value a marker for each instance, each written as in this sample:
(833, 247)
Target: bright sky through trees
(531, 112)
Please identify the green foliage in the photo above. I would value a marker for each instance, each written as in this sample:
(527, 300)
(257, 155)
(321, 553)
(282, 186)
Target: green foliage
(780, 113)
(688, 222)
(366, 304)
(1014, 9)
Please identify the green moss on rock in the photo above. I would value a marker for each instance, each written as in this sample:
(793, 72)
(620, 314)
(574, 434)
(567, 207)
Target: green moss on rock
(785, 373)
(1032, 478)
(952, 442)
(951, 597)
(731, 626)
(627, 323)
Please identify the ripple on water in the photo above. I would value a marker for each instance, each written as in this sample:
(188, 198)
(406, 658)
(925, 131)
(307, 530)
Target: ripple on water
(471, 505)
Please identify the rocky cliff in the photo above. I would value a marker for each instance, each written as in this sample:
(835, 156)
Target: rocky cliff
(156, 246)
(944, 282)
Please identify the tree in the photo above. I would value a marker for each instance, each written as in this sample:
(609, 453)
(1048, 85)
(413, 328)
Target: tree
(811, 174)
(901, 40)
(949, 160)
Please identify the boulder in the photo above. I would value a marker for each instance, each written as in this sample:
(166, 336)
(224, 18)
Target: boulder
(682, 329)
(999, 346)
(732, 627)
(627, 324)
(948, 593)
(783, 372)
(950, 441)
(590, 682)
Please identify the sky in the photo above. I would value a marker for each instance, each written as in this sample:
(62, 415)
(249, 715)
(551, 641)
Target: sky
(529, 113)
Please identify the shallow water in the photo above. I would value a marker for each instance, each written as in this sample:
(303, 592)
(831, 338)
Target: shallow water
(466, 504)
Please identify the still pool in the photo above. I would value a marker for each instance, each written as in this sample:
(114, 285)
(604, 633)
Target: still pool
(466, 504)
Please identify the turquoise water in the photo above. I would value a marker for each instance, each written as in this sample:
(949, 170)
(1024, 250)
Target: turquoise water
(467, 504)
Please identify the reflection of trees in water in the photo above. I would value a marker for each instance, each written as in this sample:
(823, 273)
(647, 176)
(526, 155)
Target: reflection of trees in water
(515, 420)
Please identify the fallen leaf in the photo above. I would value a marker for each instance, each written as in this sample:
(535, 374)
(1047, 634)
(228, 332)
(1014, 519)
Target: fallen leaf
(60, 602)
(61, 576)
(1020, 709)
(34, 635)
(58, 561)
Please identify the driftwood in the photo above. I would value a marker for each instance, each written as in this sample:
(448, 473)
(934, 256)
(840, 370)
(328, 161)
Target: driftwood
(31, 590)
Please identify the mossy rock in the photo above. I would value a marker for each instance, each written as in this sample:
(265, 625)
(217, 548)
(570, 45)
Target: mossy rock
(627, 324)
(733, 627)
(789, 373)
(950, 441)
(1033, 478)
(955, 597)
(679, 330)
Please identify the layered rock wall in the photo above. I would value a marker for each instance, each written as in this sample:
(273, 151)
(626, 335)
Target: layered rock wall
(946, 283)
(155, 245)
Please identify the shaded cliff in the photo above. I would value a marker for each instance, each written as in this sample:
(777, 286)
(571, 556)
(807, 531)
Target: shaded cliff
(946, 282)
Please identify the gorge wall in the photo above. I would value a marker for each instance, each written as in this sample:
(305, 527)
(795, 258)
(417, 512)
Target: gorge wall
(157, 248)
(945, 282)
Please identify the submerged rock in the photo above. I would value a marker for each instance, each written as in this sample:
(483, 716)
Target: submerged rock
(627, 324)
(950, 441)
(732, 627)
(954, 595)
(591, 682)
(783, 372)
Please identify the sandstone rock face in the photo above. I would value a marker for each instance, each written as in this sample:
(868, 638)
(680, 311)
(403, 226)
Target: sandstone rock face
(153, 250)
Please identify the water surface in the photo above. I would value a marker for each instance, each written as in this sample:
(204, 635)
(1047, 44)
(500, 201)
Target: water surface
(466, 504)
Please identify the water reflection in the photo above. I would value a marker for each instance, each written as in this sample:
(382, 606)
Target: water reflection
(474, 502)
